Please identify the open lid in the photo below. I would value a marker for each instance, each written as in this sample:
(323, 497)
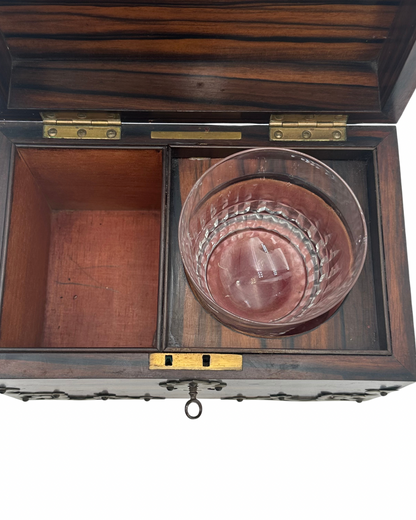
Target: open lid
(234, 60)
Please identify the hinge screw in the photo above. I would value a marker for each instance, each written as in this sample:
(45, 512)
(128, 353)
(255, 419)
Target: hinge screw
(278, 134)
(52, 132)
(81, 132)
(81, 115)
(336, 135)
(50, 115)
(306, 134)
(111, 134)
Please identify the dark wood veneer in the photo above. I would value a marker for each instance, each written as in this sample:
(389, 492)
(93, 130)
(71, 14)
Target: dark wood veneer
(226, 31)
(155, 59)
(277, 367)
(5, 69)
(397, 60)
(184, 86)
(396, 267)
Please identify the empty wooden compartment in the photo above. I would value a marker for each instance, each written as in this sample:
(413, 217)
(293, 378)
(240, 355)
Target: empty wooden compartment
(82, 263)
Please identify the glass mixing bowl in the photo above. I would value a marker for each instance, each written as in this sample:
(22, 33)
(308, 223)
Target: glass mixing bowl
(272, 241)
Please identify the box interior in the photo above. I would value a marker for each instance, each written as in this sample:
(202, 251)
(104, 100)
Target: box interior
(82, 267)
(358, 326)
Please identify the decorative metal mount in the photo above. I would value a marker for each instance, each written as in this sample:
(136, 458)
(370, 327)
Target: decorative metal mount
(64, 396)
(208, 384)
(193, 386)
(323, 396)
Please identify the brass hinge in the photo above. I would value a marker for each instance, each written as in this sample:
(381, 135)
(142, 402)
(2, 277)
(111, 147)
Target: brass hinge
(81, 125)
(308, 127)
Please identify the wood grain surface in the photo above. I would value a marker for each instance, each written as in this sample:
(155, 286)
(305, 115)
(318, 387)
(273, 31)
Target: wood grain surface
(202, 86)
(265, 31)
(226, 57)
(101, 287)
(103, 279)
(27, 263)
(358, 325)
(259, 366)
(170, 56)
(5, 71)
(89, 179)
(397, 62)
(396, 265)
(399, 44)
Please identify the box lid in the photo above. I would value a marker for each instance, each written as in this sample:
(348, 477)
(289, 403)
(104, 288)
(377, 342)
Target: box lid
(219, 61)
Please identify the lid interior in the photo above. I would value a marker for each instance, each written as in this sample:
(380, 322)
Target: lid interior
(239, 57)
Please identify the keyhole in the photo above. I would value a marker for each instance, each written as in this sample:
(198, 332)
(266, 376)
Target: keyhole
(206, 360)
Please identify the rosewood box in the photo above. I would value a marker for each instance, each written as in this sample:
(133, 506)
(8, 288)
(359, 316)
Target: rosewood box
(109, 113)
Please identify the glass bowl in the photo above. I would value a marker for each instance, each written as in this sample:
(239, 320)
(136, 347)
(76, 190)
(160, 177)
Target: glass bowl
(272, 241)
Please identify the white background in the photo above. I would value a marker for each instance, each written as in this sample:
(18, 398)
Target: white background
(250, 460)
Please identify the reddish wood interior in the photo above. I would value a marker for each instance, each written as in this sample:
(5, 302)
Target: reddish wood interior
(83, 252)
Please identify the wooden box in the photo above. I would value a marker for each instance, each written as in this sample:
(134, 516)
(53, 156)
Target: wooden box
(110, 112)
